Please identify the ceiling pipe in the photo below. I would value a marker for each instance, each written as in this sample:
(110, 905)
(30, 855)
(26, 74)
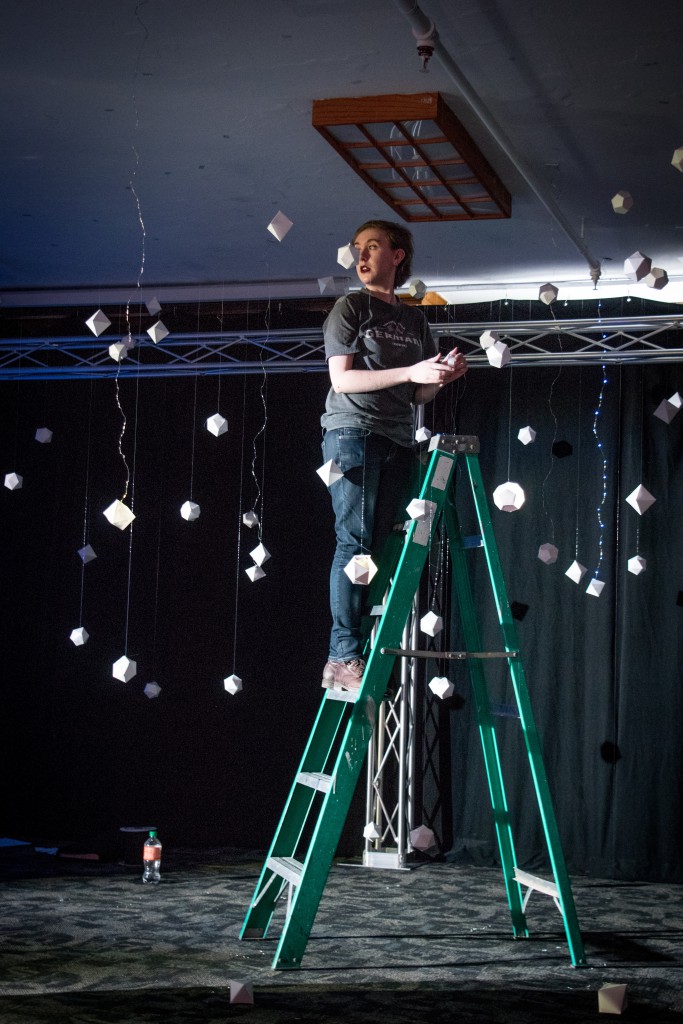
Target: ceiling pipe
(427, 36)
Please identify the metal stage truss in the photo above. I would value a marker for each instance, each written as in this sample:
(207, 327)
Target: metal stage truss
(651, 339)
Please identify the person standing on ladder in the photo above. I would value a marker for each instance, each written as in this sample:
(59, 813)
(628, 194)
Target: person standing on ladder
(382, 361)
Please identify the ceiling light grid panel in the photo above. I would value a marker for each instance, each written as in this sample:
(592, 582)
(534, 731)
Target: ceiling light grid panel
(413, 152)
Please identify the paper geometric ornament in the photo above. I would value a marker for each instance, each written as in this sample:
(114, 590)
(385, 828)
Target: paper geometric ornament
(667, 409)
(657, 278)
(233, 684)
(637, 564)
(129, 341)
(250, 519)
(498, 354)
(241, 992)
(190, 511)
(417, 289)
(86, 554)
(508, 497)
(422, 434)
(255, 572)
(158, 331)
(43, 435)
(124, 669)
(488, 338)
(622, 202)
(152, 690)
(118, 351)
(561, 449)
(98, 322)
(371, 831)
(327, 286)
(677, 159)
(153, 306)
(612, 998)
(422, 838)
(361, 569)
(280, 225)
(347, 256)
(260, 554)
(527, 435)
(119, 514)
(329, 473)
(13, 481)
(637, 266)
(431, 624)
(79, 636)
(441, 687)
(217, 424)
(421, 508)
(548, 293)
(640, 499)
(595, 588)
(576, 572)
(548, 553)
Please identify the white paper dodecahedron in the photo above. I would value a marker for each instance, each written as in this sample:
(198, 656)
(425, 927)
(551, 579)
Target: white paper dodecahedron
(280, 225)
(640, 499)
(371, 831)
(250, 519)
(44, 435)
(548, 553)
(488, 338)
(498, 354)
(637, 266)
(361, 569)
(347, 256)
(79, 636)
(548, 293)
(527, 435)
(576, 572)
(119, 514)
(190, 511)
(241, 992)
(431, 624)
(417, 288)
(422, 838)
(637, 564)
(677, 159)
(13, 481)
(158, 331)
(329, 473)
(255, 572)
(153, 306)
(232, 684)
(441, 687)
(595, 587)
(98, 322)
(657, 278)
(217, 424)
(152, 690)
(668, 408)
(509, 497)
(86, 554)
(421, 508)
(118, 351)
(124, 669)
(622, 202)
(422, 434)
(260, 554)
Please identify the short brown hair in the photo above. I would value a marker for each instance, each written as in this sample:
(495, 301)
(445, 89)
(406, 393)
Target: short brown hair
(398, 238)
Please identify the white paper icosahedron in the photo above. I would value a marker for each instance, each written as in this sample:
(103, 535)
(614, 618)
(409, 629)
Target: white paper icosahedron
(667, 409)
(498, 354)
(44, 435)
(441, 687)
(417, 288)
(431, 624)
(527, 435)
(250, 519)
(595, 587)
(119, 514)
(255, 572)
(361, 569)
(158, 331)
(13, 481)
(421, 508)
(86, 554)
(422, 838)
(548, 553)
(637, 266)
(233, 684)
(241, 992)
(422, 434)
(118, 351)
(79, 636)
(640, 499)
(371, 831)
(576, 572)
(329, 473)
(677, 159)
(657, 278)
(217, 424)
(153, 306)
(152, 690)
(508, 497)
(488, 338)
(637, 564)
(347, 256)
(260, 554)
(548, 293)
(190, 511)
(280, 225)
(98, 322)
(124, 669)
(622, 202)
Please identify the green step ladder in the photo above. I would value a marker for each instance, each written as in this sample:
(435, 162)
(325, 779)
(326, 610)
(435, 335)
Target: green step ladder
(301, 854)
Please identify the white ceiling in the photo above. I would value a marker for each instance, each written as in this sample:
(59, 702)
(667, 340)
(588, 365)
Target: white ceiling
(204, 107)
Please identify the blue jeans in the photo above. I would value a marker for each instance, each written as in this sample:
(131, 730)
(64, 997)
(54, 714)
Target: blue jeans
(367, 501)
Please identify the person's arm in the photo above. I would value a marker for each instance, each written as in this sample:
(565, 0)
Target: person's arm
(429, 373)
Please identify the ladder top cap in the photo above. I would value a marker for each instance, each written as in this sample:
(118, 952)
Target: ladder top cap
(456, 444)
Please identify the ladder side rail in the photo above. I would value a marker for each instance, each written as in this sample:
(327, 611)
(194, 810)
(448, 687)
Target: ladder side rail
(531, 737)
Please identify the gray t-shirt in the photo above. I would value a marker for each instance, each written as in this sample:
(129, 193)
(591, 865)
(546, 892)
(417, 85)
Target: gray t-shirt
(379, 336)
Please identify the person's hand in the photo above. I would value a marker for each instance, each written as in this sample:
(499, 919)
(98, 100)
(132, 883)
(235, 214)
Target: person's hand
(440, 369)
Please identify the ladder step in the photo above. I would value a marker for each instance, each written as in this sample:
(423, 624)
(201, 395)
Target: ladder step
(350, 696)
(534, 882)
(286, 867)
(316, 780)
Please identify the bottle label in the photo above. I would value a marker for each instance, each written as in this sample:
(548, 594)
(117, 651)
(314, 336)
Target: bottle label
(151, 853)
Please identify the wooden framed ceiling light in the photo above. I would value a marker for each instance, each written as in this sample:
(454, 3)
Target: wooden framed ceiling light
(415, 154)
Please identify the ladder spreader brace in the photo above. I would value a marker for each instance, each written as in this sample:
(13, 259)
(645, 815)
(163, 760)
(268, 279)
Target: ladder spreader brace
(306, 838)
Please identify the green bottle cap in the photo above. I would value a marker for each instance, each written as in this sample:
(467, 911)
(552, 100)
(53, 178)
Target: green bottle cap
(152, 835)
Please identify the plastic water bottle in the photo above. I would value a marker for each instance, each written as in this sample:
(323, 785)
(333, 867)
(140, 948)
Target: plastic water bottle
(151, 858)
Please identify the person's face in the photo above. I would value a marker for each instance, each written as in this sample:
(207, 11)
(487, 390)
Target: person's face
(377, 261)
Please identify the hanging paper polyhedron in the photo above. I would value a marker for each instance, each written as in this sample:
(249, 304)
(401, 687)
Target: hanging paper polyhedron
(98, 322)
(217, 424)
(657, 278)
(668, 408)
(260, 554)
(422, 838)
(158, 331)
(329, 473)
(280, 225)
(677, 159)
(622, 202)
(640, 499)
(327, 286)
(548, 553)
(190, 511)
(250, 519)
(152, 690)
(241, 992)
(488, 338)
(347, 256)
(255, 572)
(118, 351)
(417, 288)
(153, 306)
(13, 481)
(612, 998)
(124, 669)
(637, 564)
(509, 497)
(86, 554)
(548, 293)
(44, 435)
(498, 354)
(371, 831)
(527, 435)
(637, 266)
(79, 636)
(421, 508)
(576, 572)
(595, 587)
(431, 624)
(233, 684)
(361, 569)
(128, 341)
(422, 434)
(441, 687)
(119, 514)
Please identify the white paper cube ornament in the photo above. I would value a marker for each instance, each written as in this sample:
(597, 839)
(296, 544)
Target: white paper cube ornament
(548, 553)
(422, 434)
(421, 508)
(250, 519)
(124, 669)
(431, 624)
(86, 554)
(190, 511)
(361, 569)
(527, 435)
(347, 256)
(637, 564)
(119, 514)
(595, 587)
(79, 636)
(422, 838)
(152, 690)
(640, 499)
(233, 684)
(280, 225)
(255, 572)
(509, 497)
(548, 293)
(498, 354)
(158, 331)
(98, 322)
(260, 554)
(441, 687)
(576, 572)
(622, 201)
(637, 266)
(43, 435)
(371, 831)
(329, 473)
(217, 425)
(13, 481)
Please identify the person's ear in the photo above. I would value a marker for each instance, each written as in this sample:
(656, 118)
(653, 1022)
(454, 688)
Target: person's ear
(399, 256)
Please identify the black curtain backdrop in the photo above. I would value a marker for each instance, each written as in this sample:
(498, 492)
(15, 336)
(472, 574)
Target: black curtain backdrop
(85, 754)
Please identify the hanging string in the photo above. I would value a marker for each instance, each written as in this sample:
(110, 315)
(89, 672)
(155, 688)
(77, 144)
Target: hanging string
(132, 506)
(162, 462)
(544, 506)
(578, 464)
(86, 501)
(258, 503)
(509, 423)
(642, 428)
(239, 510)
(599, 444)
(194, 431)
